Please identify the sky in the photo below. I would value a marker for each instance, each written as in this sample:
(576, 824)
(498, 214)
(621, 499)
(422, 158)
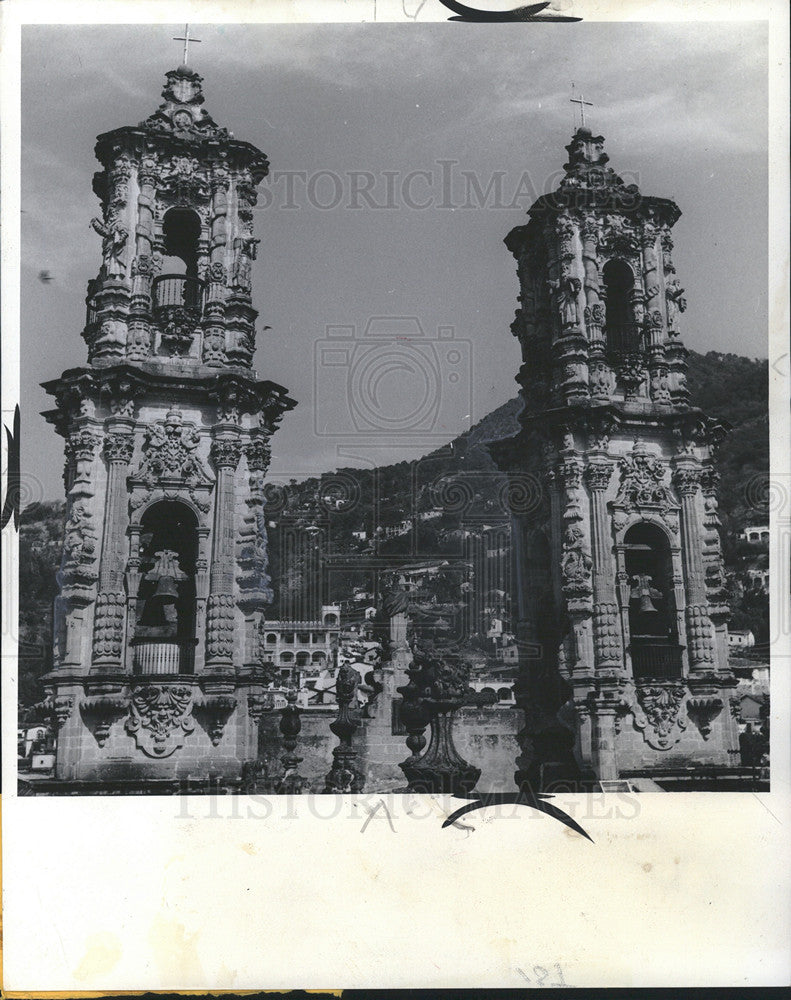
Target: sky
(373, 240)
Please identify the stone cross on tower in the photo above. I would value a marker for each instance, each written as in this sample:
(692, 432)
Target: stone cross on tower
(583, 104)
(186, 38)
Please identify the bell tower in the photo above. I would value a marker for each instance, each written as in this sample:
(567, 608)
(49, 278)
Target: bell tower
(620, 585)
(163, 580)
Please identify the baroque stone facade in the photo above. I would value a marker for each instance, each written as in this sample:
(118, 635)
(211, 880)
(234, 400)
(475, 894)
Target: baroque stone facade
(163, 580)
(619, 568)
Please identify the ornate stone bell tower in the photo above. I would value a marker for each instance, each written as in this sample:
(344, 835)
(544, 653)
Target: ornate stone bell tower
(620, 584)
(164, 573)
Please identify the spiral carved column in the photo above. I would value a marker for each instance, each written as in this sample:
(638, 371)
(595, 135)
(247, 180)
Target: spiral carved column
(108, 625)
(220, 613)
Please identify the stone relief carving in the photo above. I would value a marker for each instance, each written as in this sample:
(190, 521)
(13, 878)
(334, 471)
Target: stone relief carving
(214, 707)
(108, 625)
(160, 718)
(102, 705)
(61, 709)
(79, 544)
(619, 237)
(576, 564)
(658, 714)
(607, 633)
(643, 482)
(226, 452)
(220, 626)
(185, 178)
(170, 452)
(660, 385)
(119, 448)
(700, 635)
(179, 327)
(703, 711)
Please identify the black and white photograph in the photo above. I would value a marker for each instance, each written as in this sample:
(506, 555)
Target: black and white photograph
(313, 536)
(394, 422)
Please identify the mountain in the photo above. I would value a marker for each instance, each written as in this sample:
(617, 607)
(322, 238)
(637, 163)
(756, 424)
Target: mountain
(340, 503)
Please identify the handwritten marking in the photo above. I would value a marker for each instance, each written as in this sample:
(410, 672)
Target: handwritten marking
(372, 813)
(529, 13)
(542, 974)
(524, 797)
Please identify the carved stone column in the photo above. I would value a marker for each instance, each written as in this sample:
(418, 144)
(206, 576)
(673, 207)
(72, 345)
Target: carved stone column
(604, 719)
(653, 284)
(220, 617)
(570, 348)
(139, 331)
(219, 213)
(606, 631)
(255, 591)
(344, 776)
(108, 624)
(78, 574)
(700, 631)
(145, 263)
(147, 176)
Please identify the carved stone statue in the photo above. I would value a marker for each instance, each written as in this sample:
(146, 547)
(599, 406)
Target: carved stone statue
(676, 302)
(246, 249)
(114, 239)
(566, 290)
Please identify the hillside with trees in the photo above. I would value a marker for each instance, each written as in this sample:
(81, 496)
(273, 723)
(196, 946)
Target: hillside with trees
(405, 508)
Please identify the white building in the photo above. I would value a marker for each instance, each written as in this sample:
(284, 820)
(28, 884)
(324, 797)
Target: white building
(302, 648)
(755, 534)
(759, 579)
(741, 638)
(493, 683)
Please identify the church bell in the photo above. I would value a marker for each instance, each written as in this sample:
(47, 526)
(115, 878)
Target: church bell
(166, 588)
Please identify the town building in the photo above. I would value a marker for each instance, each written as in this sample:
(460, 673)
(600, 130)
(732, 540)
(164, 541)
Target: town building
(742, 637)
(756, 534)
(296, 650)
(759, 579)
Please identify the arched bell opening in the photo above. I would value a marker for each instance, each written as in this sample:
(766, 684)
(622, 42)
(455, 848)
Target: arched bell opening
(164, 640)
(178, 286)
(622, 333)
(655, 648)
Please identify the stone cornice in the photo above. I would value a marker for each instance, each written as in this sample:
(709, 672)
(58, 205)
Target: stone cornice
(511, 451)
(254, 396)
